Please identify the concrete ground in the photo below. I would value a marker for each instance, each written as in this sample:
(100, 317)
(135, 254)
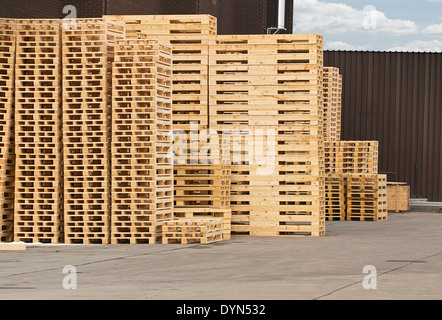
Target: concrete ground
(406, 251)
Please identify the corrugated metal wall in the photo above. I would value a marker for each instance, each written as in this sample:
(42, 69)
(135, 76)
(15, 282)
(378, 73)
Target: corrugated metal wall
(396, 98)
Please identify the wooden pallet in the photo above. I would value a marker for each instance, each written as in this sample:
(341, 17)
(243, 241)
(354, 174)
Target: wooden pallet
(266, 94)
(367, 197)
(168, 25)
(38, 138)
(185, 231)
(398, 196)
(88, 53)
(142, 168)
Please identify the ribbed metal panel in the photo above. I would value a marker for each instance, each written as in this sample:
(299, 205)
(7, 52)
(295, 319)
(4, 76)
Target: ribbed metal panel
(396, 98)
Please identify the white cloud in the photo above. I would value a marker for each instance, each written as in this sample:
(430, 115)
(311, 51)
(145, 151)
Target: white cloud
(433, 30)
(325, 17)
(419, 46)
(340, 45)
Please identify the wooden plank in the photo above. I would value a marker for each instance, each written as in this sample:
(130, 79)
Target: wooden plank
(12, 247)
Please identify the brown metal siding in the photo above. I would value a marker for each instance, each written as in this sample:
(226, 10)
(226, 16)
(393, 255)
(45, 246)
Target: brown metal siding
(396, 98)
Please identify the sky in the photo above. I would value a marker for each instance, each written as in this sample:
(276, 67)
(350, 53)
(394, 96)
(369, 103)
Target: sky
(373, 25)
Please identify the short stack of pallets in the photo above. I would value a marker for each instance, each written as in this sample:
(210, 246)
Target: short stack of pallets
(87, 65)
(185, 231)
(142, 177)
(351, 169)
(266, 96)
(351, 157)
(336, 197)
(38, 171)
(367, 197)
(7, 152)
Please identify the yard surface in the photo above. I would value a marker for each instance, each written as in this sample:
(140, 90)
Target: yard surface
(405, 253)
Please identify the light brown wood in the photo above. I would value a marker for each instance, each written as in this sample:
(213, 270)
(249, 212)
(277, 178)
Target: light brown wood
(12, 247)
(398, 197)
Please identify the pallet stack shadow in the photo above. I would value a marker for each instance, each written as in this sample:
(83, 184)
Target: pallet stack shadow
(88, 49)
(266, 96)
(38, 174)
(7, 148)
(142, 167)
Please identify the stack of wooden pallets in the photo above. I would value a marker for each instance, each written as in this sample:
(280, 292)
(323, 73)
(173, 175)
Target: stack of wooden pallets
(99, 104)
(7, 152)
(87, 65)
(38, 172)
(332, 104)
(185, 231)
(351, 166)
(342, 160)
(142, 177)
(266, 95)
(203, 192)
(351, 157)
(367, 197)
(335, 197)
(190, 36)
(202, 187)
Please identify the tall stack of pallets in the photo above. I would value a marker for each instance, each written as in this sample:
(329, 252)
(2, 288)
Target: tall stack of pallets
(266, 95)
(7, 157)
(38, 172)
(142, 165)
(332, 104)
(87, 64)
(335, 186)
